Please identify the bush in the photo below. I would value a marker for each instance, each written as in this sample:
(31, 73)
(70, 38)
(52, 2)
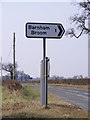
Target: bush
(12, 84)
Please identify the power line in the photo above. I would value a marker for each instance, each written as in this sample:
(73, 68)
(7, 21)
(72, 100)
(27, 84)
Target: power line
(9, 53)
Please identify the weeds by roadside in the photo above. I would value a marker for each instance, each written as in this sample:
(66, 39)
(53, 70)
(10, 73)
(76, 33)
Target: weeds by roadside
(25, 103)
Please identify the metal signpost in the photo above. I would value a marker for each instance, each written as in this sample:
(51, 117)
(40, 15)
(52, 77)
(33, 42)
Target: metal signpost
(44, 30)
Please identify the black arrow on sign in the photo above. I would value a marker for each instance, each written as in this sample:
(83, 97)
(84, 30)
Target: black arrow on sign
(60, 31)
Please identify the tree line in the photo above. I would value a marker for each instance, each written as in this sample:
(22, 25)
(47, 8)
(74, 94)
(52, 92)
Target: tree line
(19, 75)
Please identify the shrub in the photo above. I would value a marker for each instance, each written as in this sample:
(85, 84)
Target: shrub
(12, 84)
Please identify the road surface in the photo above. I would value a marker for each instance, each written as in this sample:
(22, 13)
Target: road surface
(76, 96)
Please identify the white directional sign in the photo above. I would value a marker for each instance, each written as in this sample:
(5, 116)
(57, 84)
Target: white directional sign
(44, 30)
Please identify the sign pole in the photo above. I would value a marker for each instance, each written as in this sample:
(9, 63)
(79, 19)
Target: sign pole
(45, 77)
(46, 85)
(44, 48)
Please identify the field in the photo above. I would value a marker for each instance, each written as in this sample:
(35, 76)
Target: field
(75, 83)
(70, 85)
(24, 102)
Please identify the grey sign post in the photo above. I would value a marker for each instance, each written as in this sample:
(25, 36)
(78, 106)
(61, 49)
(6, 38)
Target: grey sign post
(44, 74)
(42, 82)
(44, 30)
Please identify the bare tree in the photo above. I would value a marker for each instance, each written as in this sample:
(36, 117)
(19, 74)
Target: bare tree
(80, 20)
(9, 68)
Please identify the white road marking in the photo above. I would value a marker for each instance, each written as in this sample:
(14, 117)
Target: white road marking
(78, 95)
(74, 91)
(78, 92)
(86, 93)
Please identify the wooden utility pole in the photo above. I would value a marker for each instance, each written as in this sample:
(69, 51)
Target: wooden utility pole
(14, 56)
(89, 47)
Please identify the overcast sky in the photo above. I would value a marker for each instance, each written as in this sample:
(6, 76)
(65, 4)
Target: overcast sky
(68, 56)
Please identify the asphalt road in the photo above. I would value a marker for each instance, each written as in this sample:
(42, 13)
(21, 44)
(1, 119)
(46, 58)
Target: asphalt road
(75, 96)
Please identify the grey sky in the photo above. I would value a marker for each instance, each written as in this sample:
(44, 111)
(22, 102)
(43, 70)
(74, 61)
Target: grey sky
(68, 56)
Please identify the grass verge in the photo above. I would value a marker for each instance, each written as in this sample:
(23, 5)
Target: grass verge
(25, 103)
(70, 85)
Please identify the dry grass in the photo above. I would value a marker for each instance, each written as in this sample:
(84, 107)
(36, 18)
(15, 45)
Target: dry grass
(63, 85)
(28, 106)
(70, 85)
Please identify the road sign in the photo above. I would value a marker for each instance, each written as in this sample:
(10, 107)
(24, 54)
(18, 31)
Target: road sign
(44, 30)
